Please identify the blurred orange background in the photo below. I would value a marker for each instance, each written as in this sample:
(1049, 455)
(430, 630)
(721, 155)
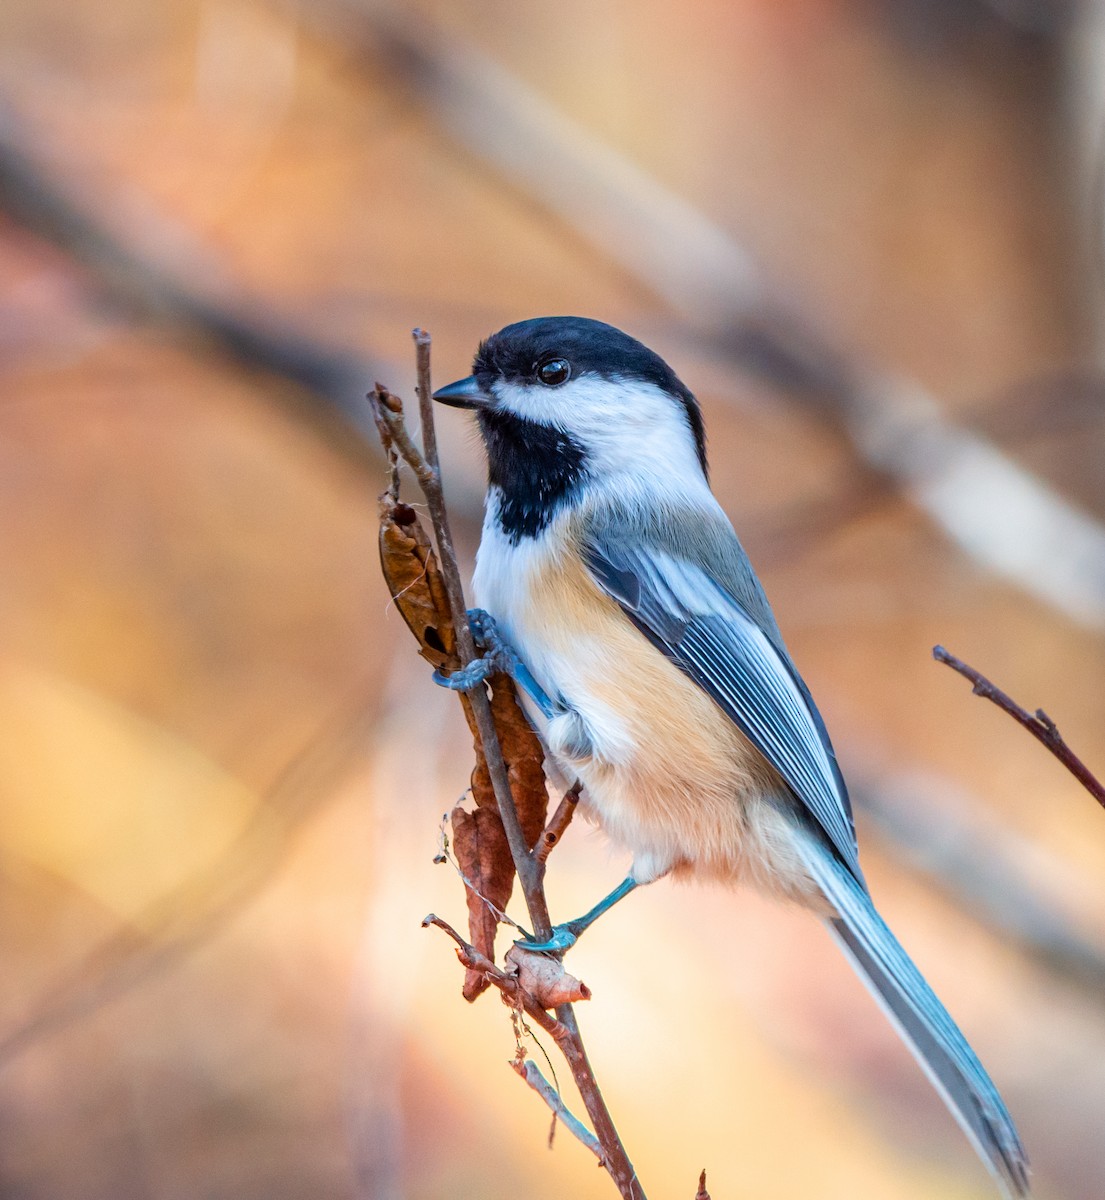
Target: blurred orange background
(868, 236)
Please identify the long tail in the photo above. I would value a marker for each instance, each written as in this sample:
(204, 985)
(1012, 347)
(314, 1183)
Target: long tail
(923, 1022)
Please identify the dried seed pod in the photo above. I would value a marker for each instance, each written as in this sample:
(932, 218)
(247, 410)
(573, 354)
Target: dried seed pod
(545, 979)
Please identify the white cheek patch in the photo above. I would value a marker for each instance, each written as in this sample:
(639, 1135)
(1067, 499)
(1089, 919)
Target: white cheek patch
(532, 402)
(592, 402)
(627, 428)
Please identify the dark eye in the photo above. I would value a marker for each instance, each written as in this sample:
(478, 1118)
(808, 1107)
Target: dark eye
(554, 372)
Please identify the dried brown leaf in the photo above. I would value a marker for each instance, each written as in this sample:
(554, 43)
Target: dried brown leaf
(524, 759)
(479, 841)
(414, 580)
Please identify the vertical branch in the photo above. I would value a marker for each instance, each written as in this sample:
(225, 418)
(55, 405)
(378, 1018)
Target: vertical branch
(429, 476)
(617, 1161)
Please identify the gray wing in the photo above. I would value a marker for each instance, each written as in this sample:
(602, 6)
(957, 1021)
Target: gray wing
(733, 651)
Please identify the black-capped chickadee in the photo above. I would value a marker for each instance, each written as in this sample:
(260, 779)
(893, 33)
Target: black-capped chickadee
(655, 672)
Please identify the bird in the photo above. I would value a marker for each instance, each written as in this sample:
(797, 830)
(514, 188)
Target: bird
(612, 584)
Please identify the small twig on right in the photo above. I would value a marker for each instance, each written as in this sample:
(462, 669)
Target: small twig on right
(1040, 725)
(561, 819)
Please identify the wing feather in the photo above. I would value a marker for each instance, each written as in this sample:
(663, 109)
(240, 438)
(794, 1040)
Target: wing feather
(705, 630)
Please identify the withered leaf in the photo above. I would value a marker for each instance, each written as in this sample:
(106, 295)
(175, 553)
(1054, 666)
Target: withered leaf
(524, 757)
(479, 841)
(524, 760)
(414, 581)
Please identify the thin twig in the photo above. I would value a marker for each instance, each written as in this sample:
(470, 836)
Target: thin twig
(425, 397)
(1040, 725)
(530, 1072)
(123, 246)
(561, 819)
(388, 443)
(503, 918)
(388, 409)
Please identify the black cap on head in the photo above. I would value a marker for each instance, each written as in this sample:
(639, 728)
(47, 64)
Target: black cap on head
(517, 352)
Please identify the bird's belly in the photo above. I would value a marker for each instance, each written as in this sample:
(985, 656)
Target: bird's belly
(666, 773)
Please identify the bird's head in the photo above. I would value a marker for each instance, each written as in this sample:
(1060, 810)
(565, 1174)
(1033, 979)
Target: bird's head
(586, 381)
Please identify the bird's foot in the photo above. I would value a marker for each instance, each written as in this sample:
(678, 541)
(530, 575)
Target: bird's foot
(562, 937)
(498, 657)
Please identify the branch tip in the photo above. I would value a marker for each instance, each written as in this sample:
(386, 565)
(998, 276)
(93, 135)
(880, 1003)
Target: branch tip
(1040, 725)
(387, 399)
(561, 819)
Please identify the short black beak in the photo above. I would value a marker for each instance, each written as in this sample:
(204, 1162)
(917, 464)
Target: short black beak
(465, 393)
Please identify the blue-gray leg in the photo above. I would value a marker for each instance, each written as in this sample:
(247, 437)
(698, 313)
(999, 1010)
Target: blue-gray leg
(498, 657)
(566, 935)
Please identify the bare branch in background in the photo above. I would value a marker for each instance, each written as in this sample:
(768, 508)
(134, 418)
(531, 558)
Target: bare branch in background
(388, 413)
(931, 826)
(706, 274)
(185, 292)
(699, 268)
(1040, 725)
